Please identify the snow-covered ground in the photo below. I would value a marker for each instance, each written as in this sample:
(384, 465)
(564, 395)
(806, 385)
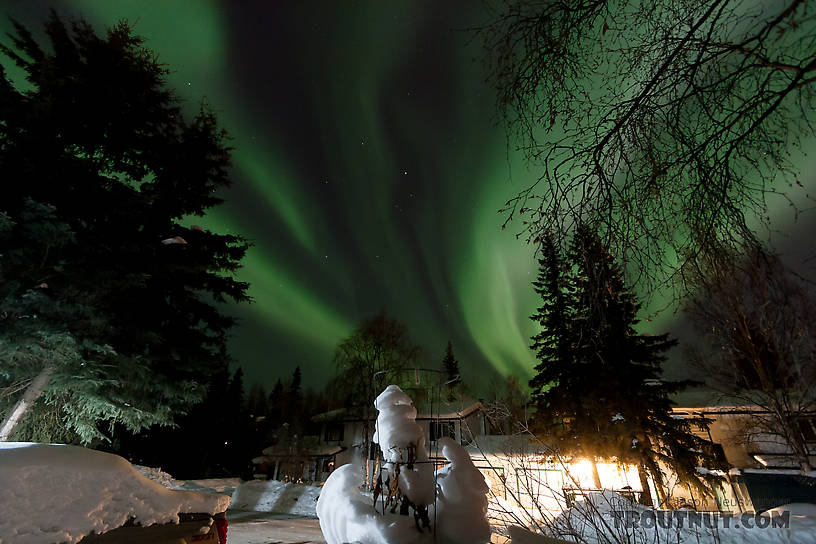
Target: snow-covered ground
(263, 496)
(589, 523)
(609, 518)
(56, 493)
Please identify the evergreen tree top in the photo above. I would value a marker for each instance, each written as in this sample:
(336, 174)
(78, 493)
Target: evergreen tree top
(451, 366)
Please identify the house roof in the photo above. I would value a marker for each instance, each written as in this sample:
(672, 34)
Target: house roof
(719, 410)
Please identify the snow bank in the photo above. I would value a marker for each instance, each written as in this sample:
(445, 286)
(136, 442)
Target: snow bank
(276, 497)
(56, 493)
(457, 490)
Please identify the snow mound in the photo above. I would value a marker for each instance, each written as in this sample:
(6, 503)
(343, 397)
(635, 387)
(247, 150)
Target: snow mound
(276, 497)
(603, 502)
(57, 493)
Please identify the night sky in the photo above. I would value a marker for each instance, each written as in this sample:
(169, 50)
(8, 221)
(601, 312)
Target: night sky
(368, 170)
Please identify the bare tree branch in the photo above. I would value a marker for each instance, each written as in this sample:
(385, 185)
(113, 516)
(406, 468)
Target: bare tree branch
(664, 125)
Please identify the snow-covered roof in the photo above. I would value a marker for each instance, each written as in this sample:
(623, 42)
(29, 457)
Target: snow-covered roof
(58, 493)
(732, 409)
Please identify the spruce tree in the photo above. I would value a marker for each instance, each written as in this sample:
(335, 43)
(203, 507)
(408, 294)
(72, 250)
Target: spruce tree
(598, 391)
(109, 290)
(450, 368)
(235, 391)
(294, 402)
(295, 392)
(276, 403)
(257, 402)
(554, 344)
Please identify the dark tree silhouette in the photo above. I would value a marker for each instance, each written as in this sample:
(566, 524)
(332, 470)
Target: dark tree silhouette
(759, 320)
(257, 402)
(664, 125)
(276, 403)
(597, 389)
(368, 361)
(109, 292)
(553, 345)
(295, 392)
(378, 347)
(219, 429)
(450, 367)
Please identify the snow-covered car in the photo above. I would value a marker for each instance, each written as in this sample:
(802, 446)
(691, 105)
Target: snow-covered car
(191, 528)
(57, 493)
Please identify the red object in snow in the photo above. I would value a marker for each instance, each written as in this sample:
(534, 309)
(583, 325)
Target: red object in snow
(221, 525)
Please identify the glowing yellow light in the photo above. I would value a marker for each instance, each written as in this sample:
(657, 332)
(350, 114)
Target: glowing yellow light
(581, 472)
(612, 475)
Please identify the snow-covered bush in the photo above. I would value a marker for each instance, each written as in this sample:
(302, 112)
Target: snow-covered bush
(461, 503)
(452, 500)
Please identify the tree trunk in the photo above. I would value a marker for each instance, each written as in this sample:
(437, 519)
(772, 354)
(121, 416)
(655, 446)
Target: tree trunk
(801, 453)
(367, 453)
(646, 496)
(32, 393)
(793, 436)
(662, 498)
(652, 467)
(596, 478)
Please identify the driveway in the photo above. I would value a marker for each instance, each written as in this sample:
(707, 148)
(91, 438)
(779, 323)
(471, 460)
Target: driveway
(263, 528)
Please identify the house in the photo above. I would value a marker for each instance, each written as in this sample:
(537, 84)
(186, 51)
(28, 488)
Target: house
(351, 430)
(520, 470)
(745, 447)
(306, 459)
(525, 475)
(765, 473)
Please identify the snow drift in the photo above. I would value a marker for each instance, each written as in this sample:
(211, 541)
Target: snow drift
(56, 493)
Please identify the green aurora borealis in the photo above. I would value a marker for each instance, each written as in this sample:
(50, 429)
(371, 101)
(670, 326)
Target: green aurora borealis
(368, 171)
